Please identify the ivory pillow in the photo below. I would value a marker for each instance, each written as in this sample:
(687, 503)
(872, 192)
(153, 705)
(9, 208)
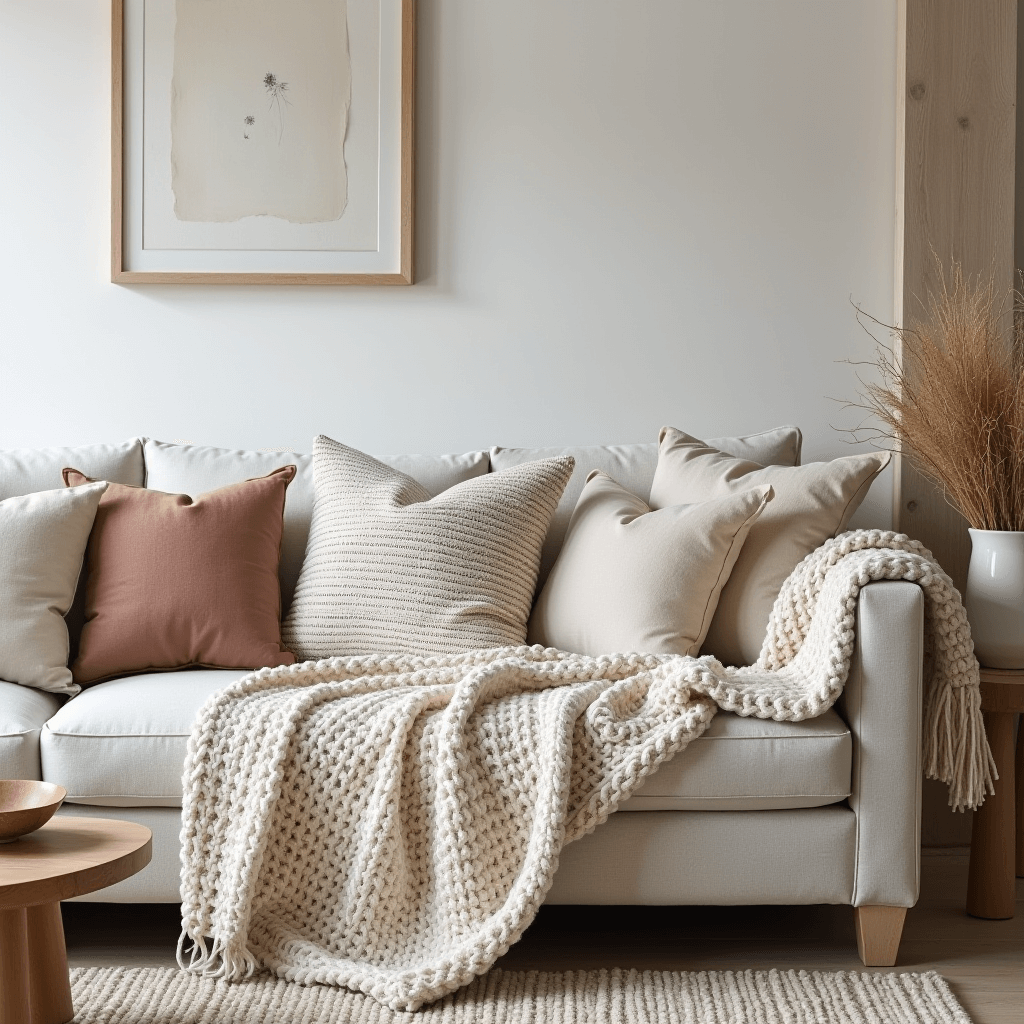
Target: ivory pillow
(633, 466)
(42, 544)
(390, 569)
(811, 504)
(629, 579)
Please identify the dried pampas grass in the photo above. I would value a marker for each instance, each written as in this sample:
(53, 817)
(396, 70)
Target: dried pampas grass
(950, 395)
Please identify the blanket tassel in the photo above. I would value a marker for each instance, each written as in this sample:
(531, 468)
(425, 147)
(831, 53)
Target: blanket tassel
(956, 749)
(214, 961)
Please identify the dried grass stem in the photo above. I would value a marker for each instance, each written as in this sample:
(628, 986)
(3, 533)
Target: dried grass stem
(951, 395)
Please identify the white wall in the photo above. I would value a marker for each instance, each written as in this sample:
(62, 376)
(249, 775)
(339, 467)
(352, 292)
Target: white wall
(629, 214)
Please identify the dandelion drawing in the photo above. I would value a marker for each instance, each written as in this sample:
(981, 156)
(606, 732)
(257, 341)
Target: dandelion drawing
(278, 99)
(248, 122)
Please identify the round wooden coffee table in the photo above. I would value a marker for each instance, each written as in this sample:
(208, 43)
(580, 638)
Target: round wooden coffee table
(66, 857)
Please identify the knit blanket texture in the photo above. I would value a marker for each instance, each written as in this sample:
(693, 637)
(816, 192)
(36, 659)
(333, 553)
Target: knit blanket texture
(392, 823)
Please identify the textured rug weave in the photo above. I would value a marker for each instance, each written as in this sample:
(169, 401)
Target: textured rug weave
(391, 824)
(159, 995)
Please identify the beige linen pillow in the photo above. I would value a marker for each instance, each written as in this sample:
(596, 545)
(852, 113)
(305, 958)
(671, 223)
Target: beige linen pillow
(811, 504)
(389, 568)
(42, 544)
(633, 466)
(629, 579)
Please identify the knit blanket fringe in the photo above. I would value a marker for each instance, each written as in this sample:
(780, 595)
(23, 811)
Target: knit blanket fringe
(392, 823)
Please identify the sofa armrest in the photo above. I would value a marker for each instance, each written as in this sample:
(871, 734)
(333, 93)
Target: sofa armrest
(881, 704)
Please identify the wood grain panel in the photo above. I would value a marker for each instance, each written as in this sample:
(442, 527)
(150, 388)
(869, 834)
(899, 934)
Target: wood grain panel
(955, 183)
(991, 890)
(15, 969)
(49, 991)
(1018, 793)
(957, 84)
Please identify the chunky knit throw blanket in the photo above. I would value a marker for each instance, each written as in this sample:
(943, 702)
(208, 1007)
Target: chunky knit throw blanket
(392, 824)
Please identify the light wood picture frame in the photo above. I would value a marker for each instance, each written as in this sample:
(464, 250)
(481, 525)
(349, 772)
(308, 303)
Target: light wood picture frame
(370, 243)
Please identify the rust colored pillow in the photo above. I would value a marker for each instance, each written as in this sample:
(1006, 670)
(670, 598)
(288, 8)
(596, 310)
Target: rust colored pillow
(174, 582)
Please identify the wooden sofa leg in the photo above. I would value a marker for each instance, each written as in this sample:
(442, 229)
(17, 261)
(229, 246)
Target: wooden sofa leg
(878, 934)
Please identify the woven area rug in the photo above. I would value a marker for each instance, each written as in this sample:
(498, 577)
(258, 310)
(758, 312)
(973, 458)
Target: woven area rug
(160, 995)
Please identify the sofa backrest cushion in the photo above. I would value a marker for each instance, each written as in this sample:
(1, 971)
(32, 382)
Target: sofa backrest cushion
(27, 470)
(196, 469)
(633, 466)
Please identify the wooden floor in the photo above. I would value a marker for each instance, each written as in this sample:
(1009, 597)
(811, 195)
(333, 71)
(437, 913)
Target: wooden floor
(983, 960)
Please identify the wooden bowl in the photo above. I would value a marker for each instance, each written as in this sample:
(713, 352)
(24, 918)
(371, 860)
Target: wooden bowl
(26, 805)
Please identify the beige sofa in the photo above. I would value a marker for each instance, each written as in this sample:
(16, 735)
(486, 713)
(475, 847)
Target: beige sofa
(821, 811)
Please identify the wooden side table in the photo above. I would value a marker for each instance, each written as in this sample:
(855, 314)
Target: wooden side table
(997, 835)
(66, 857)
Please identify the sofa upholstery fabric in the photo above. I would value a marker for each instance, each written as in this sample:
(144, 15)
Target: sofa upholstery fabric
(753, 764)
(735, 842)
(812, 855)
(727, 859)
(812, 503)
(632, 579)
(122, 743)
(882, 703)
(633, 466)
(389, 569)
(25, 470)
(195, 469)
(43, 539)
(115, 746)
(174, 582)
(662, 858)
(24, 711)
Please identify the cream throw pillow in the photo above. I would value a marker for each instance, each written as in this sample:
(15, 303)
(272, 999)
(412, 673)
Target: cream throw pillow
(629, 579)
(811, 504)
(42, 544)
(388, 568)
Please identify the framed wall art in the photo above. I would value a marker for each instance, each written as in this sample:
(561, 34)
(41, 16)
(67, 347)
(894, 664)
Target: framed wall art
(262, 141)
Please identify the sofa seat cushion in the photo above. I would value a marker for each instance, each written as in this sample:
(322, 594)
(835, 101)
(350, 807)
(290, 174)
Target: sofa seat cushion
(23, 713)
(122, 743)
(746, 764)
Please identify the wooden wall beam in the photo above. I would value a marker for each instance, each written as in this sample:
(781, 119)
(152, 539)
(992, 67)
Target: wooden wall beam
(957, 88)
(956, 137)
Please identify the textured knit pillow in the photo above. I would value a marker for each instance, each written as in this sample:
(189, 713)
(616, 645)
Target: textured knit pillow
(42, 543)
(390, 569)
(175, 582)
(629, 579)
(811, 504)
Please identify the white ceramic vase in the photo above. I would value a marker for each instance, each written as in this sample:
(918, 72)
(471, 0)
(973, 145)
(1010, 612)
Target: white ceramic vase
(995, 597)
